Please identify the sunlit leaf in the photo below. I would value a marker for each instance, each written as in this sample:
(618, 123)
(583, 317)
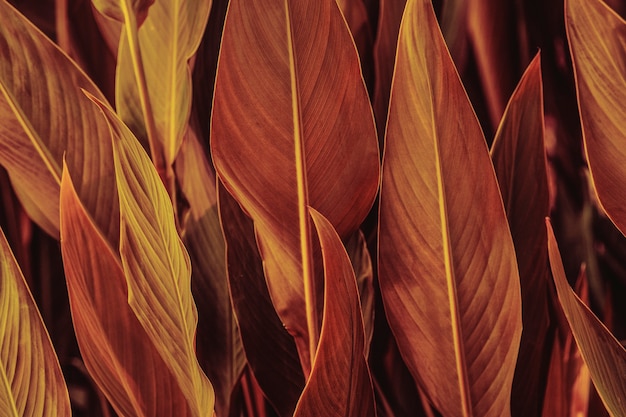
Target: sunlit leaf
(290, 106)
(117, 351)
(123, 10)
(596, 37)
(223, 361)
(167, 39)
(31, 382)
(603, 354)
(447, 267)
(270, 350)
(340, 384)
(156, 265)
(43, 114)
(520, 163)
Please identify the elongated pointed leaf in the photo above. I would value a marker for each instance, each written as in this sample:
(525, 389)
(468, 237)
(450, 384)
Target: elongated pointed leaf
(603, 354)
(290, 106)
(117, 351)
(270, 350)
(220, 351)
(520, 163)
(447, 268)
(31, 382)
(168, 38)
(595, 34)
(340, 383)
(43, 114)
(156, 265)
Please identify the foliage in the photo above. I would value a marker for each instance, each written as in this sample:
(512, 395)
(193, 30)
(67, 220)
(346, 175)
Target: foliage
(300, 208)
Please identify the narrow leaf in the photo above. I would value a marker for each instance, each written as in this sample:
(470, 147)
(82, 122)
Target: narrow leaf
(270, 350)
(156, 265)
(117, 351)
(596, 38)
(167, 40)
(603, 354)
(340, 384)
(447, 267)
(520, 163)
(44, 115)
(31, 382)
(290, 105)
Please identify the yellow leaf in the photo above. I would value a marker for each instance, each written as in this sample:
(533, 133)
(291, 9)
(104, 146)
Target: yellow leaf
(447, 268)
(31, 382)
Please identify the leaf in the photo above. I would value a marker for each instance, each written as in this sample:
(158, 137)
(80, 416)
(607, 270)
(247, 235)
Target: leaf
(384, 58)
(291, 107)
(520, 163)
(603, 354)
(596, 37)
(43, 115)
(156, 265)
(447, 267)
(31, 382)
(117, 351)
(270, 350)
(220, 351)
(124, 10)
(340, 383)
(168, 39)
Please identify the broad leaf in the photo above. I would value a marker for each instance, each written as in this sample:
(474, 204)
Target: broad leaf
(44, 115)
(126, 11)
(447, 267)
(156, 265)
(520, 163)
(603, 354)
(117, 351)
(389, 19)
(223, 361)
(270, 350)
(340, 384)
(168, 39)
(596, 38)
(291, 107)
(31, 382)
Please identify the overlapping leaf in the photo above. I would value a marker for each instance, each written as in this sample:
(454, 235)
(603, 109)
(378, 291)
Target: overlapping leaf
(117, 351)
(603, 354)
(270, 350)
(292, 127)
(596, 38)
(223, 361)
(31, 382)
(156, 265)
(43, 115)
(340, 384)
(126, 11)
(447, 267)
(167, 40)
(519, 160)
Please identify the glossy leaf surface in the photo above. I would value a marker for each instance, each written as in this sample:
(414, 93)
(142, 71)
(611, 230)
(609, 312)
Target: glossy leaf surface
(603, 354)
(455, 313)
(520, 163)
(340, 384)
(290, 106)
(117, 351)
(156, 265)
(596, 38)
(43, 114)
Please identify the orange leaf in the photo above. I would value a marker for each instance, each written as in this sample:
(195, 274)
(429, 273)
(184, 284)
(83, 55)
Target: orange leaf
(340, 384)
(595, 33)
(44, 115)
(116, 349)
(603, 354)
(520, 163)
(291, 109)
(31, 382)
(447, 267)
